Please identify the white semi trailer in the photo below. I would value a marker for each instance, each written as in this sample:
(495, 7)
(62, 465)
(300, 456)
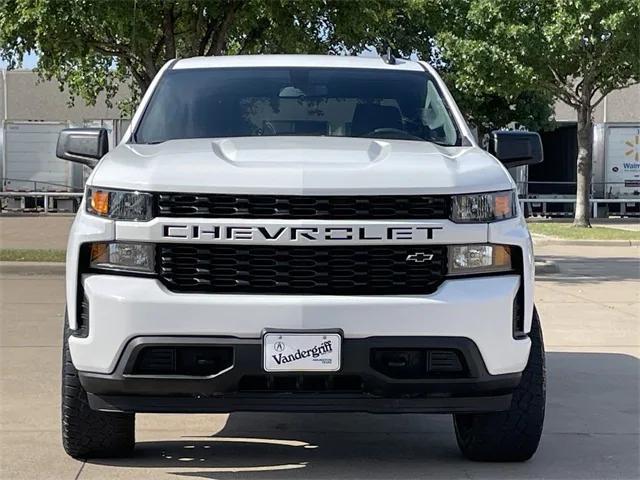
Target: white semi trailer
(29, 159)
(616, 165)
(615, 175)
(29, 164)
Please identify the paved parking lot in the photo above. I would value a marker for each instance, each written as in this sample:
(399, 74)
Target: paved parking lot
(50, 231)
(591, 319)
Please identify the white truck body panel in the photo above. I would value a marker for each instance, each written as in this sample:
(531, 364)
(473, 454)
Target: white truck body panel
(301, 165)
(473, 308)
(314, 61)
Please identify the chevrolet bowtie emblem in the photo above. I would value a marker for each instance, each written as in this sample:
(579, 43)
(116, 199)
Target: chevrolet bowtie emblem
(419, 257)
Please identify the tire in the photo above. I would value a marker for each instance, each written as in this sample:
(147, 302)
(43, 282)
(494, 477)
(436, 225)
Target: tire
(88, 433)
(512, 435)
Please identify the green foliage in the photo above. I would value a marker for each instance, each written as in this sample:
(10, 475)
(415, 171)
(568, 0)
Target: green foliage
(565, 231)
(575, 50)
(489, 111)
(501, 58)
(92, 46)
(485, 104)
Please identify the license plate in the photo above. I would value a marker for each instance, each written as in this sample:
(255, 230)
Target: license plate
(302, 352)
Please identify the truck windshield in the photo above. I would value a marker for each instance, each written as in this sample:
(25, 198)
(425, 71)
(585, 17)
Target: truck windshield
(340, 102)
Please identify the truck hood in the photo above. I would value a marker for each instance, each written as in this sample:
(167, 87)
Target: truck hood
(301, 165)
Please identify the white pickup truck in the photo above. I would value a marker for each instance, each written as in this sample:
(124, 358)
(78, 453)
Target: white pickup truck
(301, 234)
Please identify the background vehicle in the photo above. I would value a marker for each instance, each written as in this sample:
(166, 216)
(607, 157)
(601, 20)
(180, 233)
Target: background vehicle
(29, 163)
(616, 166)
(616, 170)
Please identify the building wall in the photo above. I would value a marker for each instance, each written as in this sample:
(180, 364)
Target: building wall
(28, 98)
(621, 106)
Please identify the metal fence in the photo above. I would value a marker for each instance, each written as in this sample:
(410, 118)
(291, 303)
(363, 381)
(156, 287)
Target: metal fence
(593, 204)
(47, 206)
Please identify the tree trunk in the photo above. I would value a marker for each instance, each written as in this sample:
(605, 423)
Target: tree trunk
(584, 163)
(168, 27)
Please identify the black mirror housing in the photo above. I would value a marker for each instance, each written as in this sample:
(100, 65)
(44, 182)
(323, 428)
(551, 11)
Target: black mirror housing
(83, 145)
(515, 148)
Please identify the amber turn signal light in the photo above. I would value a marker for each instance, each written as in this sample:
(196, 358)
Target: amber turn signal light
(502, 204)
(100, 202)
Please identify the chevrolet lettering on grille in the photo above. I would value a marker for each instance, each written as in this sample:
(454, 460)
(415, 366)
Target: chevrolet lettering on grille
(285, 234)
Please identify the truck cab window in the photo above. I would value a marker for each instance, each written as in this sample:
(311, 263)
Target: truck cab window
(238, 102)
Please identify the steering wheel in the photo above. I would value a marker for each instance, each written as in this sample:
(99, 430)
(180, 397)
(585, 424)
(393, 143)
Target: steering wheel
(394, 132)
(270, 126)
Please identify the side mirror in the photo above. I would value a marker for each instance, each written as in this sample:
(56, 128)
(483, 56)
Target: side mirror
(514, 147)
(83, 145)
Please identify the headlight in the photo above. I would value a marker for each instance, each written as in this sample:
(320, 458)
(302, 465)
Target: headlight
(483, 207)
(481, 258)
(120, 204)
(129, 257)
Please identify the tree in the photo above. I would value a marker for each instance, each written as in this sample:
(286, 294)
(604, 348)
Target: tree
(93, 46)
(577, 51)
(414, 33)
(490, 111)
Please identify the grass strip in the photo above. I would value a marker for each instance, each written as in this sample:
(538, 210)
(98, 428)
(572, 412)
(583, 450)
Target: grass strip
(568, 232)
(31, 255)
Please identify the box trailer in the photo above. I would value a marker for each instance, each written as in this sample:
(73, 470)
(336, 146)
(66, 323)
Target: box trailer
(29, 160)
(29, 164)
(615, 175)
(616, 165)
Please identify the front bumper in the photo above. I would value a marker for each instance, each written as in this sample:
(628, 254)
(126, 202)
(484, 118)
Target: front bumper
(360, 385)
(123, 308)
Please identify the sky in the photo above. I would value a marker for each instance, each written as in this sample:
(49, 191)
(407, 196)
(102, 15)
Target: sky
(29, 61)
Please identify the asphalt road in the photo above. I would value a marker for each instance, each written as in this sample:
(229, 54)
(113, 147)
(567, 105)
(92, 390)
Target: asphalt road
(591, 320)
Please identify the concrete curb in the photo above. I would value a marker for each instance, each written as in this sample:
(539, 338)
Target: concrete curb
(546, 266)
(32, 268)
(585, 243)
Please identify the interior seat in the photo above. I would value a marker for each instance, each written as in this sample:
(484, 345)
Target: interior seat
(368, 117)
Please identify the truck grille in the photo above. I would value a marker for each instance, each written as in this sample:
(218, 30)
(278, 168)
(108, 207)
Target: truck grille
(352, 270)
(425, 207)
